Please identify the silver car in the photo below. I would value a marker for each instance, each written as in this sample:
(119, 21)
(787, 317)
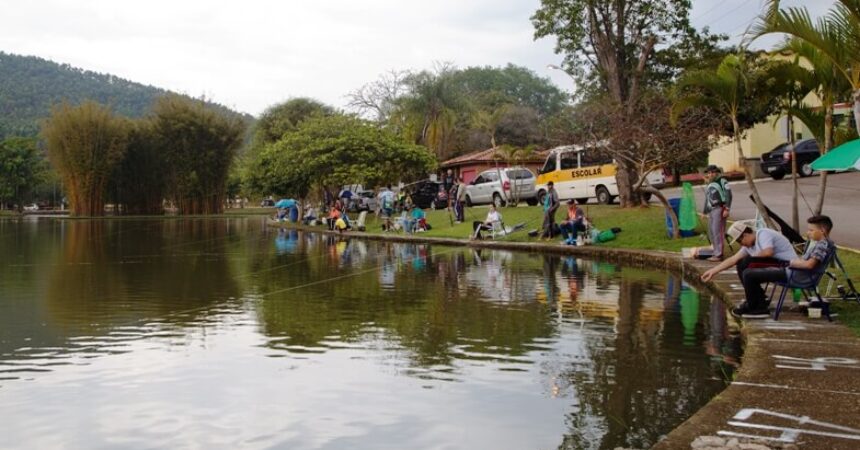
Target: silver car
(500, 186)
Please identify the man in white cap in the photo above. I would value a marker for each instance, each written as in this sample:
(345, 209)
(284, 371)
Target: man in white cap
(759, 248)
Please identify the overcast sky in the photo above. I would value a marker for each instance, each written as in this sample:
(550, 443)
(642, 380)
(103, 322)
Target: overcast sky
(254, 53)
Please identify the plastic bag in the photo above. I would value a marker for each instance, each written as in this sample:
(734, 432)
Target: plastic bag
(687, 218)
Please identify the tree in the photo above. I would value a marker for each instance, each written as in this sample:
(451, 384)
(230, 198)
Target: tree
(723, 90)
(512, 156)
(327, 152)
(427, 113)
(837, 35)
(137, 184)
(285, 117)
(607, 47)
(440, 109)
(378, 98)
(85, 143)
(22, 167)
(199, 144)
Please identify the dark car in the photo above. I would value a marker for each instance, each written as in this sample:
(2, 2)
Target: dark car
(777, 162)
(425, 195)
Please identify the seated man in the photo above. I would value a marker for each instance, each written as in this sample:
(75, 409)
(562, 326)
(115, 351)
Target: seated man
(493, 219)
(419, 219)
(310, 216)
(764, 248)
(573, 224)
(333, 215)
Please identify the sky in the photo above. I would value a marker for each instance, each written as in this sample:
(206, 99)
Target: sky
(252, 54)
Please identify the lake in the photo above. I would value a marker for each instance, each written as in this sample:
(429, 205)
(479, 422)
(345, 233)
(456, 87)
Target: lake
(223, 333)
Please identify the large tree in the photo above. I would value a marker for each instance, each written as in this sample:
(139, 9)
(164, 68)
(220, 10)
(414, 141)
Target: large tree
(22, 167)
(199, 144)
(85, 143)
(610, 45)
(326, 152)
(138, 183)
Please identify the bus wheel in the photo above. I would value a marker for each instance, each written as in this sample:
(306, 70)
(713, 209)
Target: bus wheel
(647, 197)
(603, 196)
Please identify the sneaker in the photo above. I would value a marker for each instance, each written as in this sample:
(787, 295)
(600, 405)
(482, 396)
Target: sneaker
(744, 311)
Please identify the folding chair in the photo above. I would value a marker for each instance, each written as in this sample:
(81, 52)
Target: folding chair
(810, 286)
(498, 228)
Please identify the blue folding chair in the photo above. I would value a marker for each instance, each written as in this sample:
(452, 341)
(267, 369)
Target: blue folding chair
(810, 286)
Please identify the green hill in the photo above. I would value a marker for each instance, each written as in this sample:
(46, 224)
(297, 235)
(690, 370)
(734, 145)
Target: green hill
(30, 85)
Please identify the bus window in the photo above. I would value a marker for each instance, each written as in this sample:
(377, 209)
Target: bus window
(568, 161)
(594, 158)
(550, 165)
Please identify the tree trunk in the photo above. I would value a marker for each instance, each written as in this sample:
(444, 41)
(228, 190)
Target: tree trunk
(795, 220)
(857, 110)
(628, 196)
(828, 144)
(676, 232)
(753, 189)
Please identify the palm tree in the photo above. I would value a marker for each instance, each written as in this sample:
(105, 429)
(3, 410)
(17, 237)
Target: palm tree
(829, 86)
(836, 35)
(791, 83)
(722, 90)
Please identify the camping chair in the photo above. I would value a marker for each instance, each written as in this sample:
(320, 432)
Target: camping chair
(359, 223)
(798, 240)
(810, 286)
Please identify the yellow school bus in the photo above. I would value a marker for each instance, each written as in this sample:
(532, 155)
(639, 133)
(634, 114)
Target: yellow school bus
(583, 173)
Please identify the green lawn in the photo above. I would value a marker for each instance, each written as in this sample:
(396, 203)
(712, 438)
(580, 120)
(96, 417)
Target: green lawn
(642, 228)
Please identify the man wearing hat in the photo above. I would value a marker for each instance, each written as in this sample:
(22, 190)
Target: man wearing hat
(718, 200)
(759, 248)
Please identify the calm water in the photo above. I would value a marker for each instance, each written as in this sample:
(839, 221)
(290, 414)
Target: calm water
(222, 333)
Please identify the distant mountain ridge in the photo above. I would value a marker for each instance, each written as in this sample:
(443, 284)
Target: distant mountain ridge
(30, 85)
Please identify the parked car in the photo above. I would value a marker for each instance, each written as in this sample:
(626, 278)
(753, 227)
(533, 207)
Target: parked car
(777, 162)
(515, 182)
(267, 203)
(425, 195)
(31, 207)
(364, 201)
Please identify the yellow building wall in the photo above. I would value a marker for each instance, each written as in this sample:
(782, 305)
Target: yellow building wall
(759, 139)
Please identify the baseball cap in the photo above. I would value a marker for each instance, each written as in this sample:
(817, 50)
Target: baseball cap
(736, 230)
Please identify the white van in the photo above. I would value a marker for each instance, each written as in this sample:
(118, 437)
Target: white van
(582, 173)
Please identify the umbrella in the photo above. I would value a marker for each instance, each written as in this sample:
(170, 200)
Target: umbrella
(844, 157)
(285, 203)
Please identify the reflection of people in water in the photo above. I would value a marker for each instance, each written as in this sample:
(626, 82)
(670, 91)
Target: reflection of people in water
(720, 344)
(550, 286)
(286, 241)
(575, 278)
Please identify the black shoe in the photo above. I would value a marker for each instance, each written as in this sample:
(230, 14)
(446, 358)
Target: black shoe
(746, 312)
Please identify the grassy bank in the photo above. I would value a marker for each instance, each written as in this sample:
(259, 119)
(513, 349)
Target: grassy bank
(642, 228)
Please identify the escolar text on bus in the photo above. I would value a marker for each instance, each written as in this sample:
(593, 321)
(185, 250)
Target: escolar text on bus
(591, 171)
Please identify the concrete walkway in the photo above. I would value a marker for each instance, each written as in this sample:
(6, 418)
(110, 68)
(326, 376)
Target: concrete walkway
(798, 386)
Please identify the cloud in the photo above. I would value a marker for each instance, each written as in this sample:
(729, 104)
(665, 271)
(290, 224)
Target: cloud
(251, 54)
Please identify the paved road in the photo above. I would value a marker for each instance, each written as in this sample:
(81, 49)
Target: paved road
(842, 202)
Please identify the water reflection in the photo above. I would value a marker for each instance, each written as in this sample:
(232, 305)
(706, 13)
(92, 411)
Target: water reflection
(297, 327)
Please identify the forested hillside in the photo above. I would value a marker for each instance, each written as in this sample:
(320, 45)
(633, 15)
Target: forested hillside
(30, 85)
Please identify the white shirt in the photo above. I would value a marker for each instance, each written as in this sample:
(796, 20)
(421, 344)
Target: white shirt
(767, 238)
(494, 216)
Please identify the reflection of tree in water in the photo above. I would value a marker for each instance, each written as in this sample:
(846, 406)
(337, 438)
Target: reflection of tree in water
(113, 273)
(635, 386)
(427, 307)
